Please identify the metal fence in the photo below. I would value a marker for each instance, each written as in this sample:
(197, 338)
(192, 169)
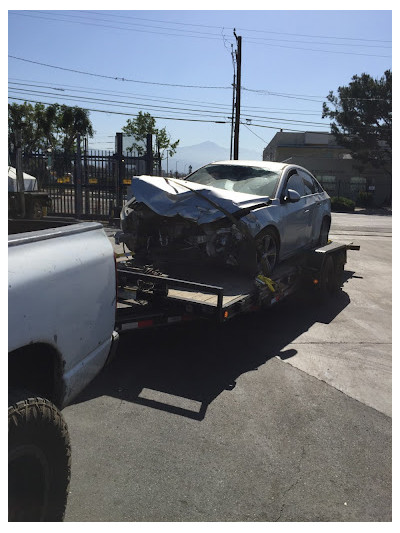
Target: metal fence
(85, 184)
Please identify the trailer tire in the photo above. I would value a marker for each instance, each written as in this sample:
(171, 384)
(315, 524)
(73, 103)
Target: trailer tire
(324, 232)
(329, 278)
(39, 459)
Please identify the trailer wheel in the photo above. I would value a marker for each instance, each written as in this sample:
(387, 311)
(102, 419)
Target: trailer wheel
(39, 460)
(324, 232)
(329, 278)
(267, 251)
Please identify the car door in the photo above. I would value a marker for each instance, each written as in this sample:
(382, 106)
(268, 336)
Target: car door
(314, 194)
(295, 217)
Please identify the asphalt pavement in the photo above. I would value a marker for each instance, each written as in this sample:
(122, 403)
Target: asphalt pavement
(278, 416)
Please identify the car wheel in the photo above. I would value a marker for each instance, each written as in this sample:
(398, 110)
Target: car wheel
(267, 251)
(324, 232)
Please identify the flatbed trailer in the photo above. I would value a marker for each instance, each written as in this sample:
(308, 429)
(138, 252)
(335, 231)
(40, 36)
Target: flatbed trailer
(148, 297)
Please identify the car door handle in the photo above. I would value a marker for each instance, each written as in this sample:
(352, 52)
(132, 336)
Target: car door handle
(306, 210)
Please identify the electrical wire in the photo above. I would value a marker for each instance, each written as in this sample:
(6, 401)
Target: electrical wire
(181, 119)
(125, 16)
(259, 91)
(87, 23)
(189, 111)
(159, 98)
(116, 77)
(126, 21)
(210, 36)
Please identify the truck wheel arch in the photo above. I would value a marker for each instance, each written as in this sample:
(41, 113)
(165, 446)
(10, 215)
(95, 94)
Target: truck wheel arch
(38, 367)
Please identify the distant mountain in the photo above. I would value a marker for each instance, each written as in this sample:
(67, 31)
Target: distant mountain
(200, 154)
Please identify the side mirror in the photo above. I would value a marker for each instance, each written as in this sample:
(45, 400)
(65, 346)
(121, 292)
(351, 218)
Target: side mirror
(292, 196)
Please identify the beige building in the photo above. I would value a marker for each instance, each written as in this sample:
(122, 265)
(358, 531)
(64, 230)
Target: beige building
(331, 164)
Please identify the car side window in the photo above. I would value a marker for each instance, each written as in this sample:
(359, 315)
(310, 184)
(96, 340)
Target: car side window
(309, 183)
(295, 182)
(318, 186)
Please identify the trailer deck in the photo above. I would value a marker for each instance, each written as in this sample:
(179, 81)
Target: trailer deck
(148, 297)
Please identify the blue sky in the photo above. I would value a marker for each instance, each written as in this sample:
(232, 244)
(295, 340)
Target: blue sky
(177, 55)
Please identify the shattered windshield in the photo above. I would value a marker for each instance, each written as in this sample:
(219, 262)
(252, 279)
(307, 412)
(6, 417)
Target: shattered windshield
(245, 179)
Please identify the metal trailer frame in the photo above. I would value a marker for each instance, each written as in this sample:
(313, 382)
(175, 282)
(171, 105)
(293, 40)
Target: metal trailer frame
(145, 292)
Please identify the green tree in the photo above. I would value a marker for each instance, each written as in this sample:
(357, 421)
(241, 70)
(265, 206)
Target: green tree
(46, 120)
(71, 122)
(21, 117)
(143, 124)
(362, 119)
(54, 126)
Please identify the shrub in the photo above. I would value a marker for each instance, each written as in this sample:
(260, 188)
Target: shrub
(365, 199)
(342, 204)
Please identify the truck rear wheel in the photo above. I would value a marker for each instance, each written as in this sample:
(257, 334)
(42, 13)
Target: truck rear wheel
(39, 460)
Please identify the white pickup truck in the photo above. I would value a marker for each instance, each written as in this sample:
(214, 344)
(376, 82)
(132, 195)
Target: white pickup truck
(61, 315)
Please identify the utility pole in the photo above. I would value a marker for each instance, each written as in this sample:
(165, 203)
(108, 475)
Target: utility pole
(237, 104)
(233, 102)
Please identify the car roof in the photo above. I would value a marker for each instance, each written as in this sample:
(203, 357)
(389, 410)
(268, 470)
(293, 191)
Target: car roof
(270, 165)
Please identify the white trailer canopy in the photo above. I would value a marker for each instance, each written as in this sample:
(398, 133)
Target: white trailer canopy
(30, 183)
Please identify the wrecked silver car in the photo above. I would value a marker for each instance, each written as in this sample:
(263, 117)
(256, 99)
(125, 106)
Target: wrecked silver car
(248, 214)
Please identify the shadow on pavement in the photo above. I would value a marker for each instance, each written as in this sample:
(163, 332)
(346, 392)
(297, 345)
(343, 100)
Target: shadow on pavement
(182, 369)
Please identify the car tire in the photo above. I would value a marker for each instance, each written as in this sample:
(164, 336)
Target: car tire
(39, 459)
(324, 232)
(267, 247)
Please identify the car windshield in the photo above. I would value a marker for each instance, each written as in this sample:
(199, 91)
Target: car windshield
(245, 179)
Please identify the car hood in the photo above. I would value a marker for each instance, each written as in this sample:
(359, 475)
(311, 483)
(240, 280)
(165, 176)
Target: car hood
(170, 197)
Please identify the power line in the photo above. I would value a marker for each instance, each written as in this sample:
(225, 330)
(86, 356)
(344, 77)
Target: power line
(251, 131)
(209, 36)
(317, 50)
(141, 25)
(124, 21)
(259, 91)
(308, 98)
(181, 119)
(190, 111)
(198, 103)
(116, 77)
(241, 29)
(87, 23)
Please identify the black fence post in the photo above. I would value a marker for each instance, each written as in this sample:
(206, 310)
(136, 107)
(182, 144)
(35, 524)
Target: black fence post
(149, 154)
(20, 175)
(120, 172)
(86, 178)
(78, 178)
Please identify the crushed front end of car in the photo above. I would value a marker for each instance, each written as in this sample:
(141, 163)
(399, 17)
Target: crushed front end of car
(167, 220)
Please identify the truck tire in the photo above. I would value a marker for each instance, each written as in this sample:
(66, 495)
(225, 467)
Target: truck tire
(39, 459)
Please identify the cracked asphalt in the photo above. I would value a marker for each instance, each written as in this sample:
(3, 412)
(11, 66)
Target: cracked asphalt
(279, 416)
